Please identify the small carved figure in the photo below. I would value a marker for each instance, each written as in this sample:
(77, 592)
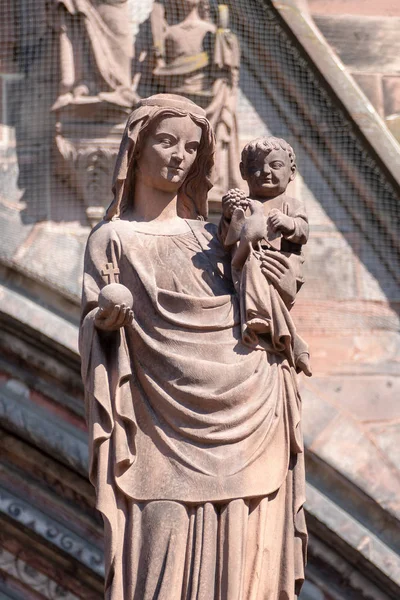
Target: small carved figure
(196, 58)
(95, 51)
(277, 223)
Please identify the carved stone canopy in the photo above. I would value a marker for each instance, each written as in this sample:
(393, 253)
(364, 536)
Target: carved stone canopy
(86, 162)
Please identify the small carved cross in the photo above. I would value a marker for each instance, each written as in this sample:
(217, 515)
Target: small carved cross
(110, 273)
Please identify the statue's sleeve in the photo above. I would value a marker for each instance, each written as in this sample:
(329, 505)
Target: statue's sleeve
(102, 255)
(297, 211)
(106, 374)
(105, 355)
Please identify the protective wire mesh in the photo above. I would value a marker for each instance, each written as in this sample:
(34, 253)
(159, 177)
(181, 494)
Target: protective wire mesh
(59, 137)
(70, 72)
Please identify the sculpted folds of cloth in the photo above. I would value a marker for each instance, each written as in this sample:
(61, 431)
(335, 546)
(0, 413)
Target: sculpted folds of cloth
(195, 438)
(95, 51)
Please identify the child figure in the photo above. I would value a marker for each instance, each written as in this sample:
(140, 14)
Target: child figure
(276, 222)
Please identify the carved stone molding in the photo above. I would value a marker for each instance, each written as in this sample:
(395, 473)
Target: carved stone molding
(87, 139)
(87, 165)
(53, 532)
(40, 583)
(33, 423)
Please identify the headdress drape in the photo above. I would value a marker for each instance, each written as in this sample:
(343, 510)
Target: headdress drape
(192, 196)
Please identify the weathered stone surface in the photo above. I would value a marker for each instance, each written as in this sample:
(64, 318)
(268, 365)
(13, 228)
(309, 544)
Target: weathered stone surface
(367, 44)
(51, 244)
(389, 8)
(371, 398)
(346, 337)
(47, 525)
(35, 423)
(386, 437)
(318, 413)
(325, 212)
(364, 36)
(14, 232)
(60, 536)
(371, 85)
(354, 533)
(178, 272)
(329, 268)
(39, 319)
(377, 281)
(346, 446)
(391, 94)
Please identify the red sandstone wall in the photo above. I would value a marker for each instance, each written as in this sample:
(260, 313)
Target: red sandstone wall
(387, 8)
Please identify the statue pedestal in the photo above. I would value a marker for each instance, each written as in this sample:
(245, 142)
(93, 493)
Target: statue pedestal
(88, 135)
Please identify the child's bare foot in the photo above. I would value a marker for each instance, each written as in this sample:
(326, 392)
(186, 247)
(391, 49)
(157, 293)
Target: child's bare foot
(259, 325)
(303, 364)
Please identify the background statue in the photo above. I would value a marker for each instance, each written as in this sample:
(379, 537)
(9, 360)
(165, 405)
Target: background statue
(192, 56)
(96, 93)
(95, 51)
(196, 449)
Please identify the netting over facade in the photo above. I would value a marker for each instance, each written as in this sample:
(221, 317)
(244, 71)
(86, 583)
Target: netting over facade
(71, 71)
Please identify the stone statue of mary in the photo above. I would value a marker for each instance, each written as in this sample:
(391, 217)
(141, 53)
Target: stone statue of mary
(195, 441)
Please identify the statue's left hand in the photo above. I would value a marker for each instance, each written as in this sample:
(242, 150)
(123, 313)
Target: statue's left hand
(119, 316)
(277, 269)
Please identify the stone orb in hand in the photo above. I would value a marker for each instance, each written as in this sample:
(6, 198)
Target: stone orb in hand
(113, 294)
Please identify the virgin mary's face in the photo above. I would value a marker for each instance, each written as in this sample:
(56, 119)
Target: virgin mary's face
(168, 153)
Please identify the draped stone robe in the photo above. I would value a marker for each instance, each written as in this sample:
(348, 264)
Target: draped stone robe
(196, 449)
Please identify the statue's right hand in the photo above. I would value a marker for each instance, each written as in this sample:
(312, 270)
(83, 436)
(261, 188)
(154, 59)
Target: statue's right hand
(277, 268)
(119, 316)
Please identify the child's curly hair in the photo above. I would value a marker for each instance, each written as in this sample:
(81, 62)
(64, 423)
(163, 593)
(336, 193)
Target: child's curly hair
(266, 145)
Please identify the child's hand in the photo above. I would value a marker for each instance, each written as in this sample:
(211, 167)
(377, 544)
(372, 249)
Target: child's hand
(281, 222)
(234, 198)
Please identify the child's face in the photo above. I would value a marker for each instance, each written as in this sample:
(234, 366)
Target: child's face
(268, 174)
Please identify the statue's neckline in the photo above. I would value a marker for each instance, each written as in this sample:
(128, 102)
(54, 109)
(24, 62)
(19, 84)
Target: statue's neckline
(141, 227)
